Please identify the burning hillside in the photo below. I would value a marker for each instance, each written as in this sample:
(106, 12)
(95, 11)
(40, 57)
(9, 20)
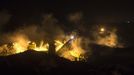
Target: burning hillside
(68, 46)
(49, 36)
(20, 43)
(106, 36)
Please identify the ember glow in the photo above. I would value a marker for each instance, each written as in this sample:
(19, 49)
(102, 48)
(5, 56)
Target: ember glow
(106, 37)
(21, 43)
(58, 44)
(42, 47)
(102, 30)
(75, 51)
(109, 40)
(69, 46)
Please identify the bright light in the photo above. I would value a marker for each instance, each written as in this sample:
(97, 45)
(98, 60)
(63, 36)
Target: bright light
(72, 37)
(102, 29)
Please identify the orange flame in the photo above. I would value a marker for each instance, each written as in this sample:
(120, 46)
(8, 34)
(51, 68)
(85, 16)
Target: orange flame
(21, 44)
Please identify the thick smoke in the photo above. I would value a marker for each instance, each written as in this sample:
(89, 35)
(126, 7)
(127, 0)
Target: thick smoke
(49, 29)
(43, 33)
(75, 17)
(104, 35)
(49, 32)
(4, 17)
(77, 21)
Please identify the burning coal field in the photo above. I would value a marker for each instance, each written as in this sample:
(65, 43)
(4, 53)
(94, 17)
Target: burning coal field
(32, 52)
(49, 48)
(70, 46)
(53, 37)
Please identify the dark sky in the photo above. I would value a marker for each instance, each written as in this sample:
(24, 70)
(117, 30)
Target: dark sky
(96, 10)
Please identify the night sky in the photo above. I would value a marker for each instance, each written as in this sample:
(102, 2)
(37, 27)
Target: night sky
(115, 13)
(93, 10)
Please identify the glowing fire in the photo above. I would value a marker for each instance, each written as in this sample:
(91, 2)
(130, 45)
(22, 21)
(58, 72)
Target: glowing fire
(107, 37)
(41, 47)
(20, 44)
(75, 51)
(58, 44)
(110, 40)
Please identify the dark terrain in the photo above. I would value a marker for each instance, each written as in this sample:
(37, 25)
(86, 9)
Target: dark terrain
(103, 61)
